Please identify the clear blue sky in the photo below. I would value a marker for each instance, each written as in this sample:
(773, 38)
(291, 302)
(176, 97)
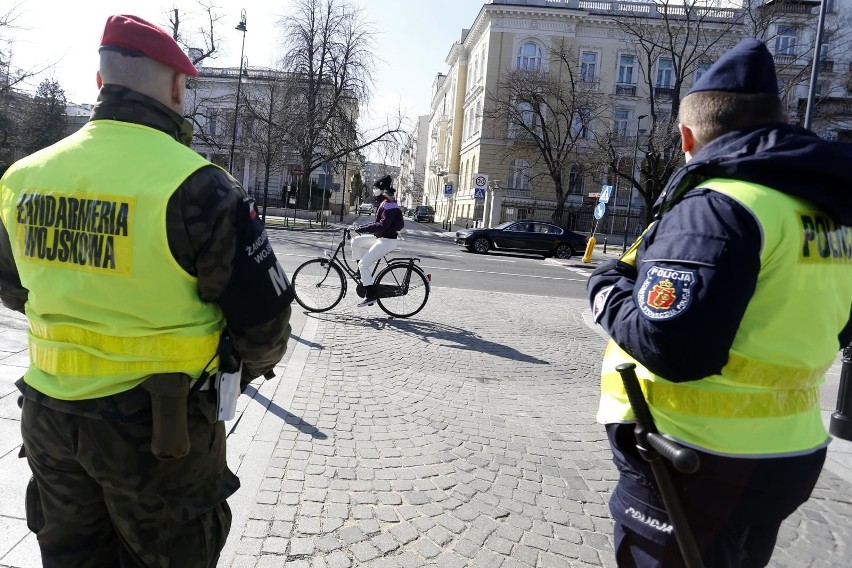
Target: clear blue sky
(414, 38)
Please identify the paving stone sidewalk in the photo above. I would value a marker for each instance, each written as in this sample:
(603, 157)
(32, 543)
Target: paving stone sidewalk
(462, 437)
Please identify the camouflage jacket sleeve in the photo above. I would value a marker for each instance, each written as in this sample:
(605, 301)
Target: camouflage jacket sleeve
(215, 235)
(12, 292)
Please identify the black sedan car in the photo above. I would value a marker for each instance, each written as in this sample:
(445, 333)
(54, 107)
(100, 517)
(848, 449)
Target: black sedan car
(524, 236)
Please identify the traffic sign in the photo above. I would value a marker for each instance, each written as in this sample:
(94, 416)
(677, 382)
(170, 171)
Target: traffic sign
(448, 189)
(480, 182)
(600, 209)
(606, 191)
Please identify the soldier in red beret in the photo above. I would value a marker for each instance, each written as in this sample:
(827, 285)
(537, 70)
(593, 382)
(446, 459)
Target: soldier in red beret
(144, 269)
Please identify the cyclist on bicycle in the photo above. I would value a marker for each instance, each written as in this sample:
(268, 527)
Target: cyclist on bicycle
(382, 238)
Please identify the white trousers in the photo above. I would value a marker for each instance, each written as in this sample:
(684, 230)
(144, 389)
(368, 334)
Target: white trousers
(368, 249)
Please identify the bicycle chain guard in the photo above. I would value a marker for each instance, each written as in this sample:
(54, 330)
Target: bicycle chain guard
(359, 289)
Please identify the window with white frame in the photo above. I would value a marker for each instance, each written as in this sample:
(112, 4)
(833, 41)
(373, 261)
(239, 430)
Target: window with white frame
(620, 119)
(665, 72)
(464, 126)
(626, 69)
(575, 180)
(785, 40)
(526, 115)
(580, 123)
(529, 57)
(477, 118)
(588, 66)
(214, 122)
(519, 174)
(825, 46)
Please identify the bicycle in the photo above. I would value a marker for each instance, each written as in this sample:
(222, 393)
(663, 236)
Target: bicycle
(402, 287)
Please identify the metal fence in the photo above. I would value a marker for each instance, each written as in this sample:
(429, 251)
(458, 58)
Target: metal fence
(577, 218)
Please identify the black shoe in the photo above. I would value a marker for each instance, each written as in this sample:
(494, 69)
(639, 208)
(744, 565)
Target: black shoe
(369, 296)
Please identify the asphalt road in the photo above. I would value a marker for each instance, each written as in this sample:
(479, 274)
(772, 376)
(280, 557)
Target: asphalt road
(453, 266)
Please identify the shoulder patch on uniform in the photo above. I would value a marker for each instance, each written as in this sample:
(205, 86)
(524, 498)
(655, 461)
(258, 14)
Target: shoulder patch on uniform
(666, 293)
(600, 302)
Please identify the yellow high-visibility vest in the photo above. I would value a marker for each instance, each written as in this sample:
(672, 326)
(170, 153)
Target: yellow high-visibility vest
(108, 304)
(765, 401)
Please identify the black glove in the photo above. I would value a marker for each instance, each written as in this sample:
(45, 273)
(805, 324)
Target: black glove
(622, 268)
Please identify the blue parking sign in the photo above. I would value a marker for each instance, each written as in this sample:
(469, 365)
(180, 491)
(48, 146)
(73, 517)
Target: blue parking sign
(448, 189)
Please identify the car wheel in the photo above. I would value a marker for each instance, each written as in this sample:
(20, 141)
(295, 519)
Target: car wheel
(563, 251)
(481, 245)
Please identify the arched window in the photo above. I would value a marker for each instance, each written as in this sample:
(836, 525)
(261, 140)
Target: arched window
(529, 57)
(519, 174)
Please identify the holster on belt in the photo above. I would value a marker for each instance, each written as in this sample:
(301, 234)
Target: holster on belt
(169, 395)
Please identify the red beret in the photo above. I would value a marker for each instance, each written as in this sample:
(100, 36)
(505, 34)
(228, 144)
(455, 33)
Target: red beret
(131, 33)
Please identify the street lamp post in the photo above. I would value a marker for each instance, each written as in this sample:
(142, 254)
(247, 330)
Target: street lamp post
(630, 190)
(240, 27)
(343, 191)
(809, 109)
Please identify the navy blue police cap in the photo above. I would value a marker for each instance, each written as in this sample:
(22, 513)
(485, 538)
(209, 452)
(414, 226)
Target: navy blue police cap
(746, 68)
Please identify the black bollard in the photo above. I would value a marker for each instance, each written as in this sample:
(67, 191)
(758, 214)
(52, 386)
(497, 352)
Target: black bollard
(605, 245)
(841, 421)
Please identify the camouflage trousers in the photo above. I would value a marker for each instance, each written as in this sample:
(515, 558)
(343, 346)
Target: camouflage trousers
(99, 498)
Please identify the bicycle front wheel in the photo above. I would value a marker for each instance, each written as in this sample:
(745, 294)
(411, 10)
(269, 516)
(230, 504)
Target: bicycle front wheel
(319, 285)
(402, 290)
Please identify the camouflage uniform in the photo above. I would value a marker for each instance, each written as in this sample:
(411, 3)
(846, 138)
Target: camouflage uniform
(98, 496)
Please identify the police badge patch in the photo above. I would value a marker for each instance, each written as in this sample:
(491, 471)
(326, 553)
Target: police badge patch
(666, 293)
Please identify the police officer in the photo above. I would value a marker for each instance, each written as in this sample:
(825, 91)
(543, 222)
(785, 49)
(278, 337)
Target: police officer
(734, 303)
(131, 255)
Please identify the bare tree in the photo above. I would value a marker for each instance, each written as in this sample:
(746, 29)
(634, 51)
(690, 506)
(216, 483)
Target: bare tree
(12, 77)
(780, 25)
(266, 122)
(329, 52)
(202, 43)
(671, 40)
(548, 116)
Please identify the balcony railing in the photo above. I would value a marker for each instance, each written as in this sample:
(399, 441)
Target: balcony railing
(785, 58)
(663, 92)
(518, 193)
(625, 89)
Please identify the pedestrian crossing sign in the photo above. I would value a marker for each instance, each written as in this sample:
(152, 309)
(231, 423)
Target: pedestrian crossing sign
(479, 193)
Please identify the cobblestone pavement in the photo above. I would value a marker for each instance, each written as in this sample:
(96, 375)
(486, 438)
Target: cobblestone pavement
(464, 437)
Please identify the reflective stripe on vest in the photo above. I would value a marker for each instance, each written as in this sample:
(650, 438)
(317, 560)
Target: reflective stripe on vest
(765, 401)
(108, 304)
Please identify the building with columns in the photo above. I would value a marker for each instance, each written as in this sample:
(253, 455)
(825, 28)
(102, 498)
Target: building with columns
(265, 167)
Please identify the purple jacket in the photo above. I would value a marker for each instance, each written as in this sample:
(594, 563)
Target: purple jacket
(388, 222)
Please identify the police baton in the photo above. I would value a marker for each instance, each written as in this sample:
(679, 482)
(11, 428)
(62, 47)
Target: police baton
(651, 445)
(841, 421)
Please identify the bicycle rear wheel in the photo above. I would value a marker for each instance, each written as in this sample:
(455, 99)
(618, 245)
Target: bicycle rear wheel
(400, 298)
(319, 285)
